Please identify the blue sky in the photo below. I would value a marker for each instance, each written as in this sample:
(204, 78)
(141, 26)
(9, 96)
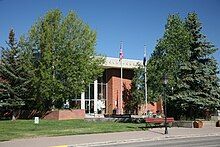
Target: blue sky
(135, 22)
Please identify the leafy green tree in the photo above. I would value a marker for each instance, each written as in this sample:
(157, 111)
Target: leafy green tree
(134, 97)
(63, 51)
(170, 52)
(13, 82)
(197, 87)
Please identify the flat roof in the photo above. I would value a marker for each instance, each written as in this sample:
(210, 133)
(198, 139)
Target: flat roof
(111, 62)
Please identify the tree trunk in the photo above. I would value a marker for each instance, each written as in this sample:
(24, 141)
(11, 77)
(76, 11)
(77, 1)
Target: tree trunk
(13, 115)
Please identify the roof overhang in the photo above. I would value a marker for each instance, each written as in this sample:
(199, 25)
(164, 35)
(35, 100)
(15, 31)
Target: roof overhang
(116, 63)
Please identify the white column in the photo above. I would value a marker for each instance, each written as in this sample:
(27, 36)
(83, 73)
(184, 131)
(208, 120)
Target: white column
(83, 100)
(95, 96)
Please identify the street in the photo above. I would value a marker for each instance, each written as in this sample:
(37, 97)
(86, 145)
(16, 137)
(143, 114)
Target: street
(211, 141)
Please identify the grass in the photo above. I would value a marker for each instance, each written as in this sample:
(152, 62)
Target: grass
(27, 129)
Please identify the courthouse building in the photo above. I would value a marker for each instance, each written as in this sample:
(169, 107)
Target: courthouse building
(103, 96)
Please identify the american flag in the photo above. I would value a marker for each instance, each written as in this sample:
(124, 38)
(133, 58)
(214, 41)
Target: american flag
(121, 55)
(144, 60)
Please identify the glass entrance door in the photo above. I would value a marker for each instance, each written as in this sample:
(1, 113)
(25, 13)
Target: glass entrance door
(101, 108)
(89, 99)
(89, 106)
(96, 102)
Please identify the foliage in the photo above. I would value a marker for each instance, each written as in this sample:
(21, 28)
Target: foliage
(56, 61)
(170, 52)
(185, 55)
(197, 87)
(62, 51)
(13, 83)
(136, 93)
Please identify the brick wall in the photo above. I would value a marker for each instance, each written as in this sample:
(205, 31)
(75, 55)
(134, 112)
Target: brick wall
(71, 114)
(113, 77)
(155, 106)
(65, 114)
(52, 115)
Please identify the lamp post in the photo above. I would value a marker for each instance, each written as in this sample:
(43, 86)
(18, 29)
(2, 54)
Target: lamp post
(165, 81)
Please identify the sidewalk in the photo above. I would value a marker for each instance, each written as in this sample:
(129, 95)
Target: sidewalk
(112, 138)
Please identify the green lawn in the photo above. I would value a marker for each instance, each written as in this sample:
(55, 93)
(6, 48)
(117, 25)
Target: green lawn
(26, 128)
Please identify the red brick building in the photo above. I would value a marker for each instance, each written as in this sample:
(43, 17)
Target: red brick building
(103, 96)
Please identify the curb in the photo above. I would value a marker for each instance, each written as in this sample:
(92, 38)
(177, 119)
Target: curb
(141, 140)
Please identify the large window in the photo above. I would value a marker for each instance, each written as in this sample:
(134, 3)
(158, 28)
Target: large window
(89, 94)
(101, 91)
(75, 102)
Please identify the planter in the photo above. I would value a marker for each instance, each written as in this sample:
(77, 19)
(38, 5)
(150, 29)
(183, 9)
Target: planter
(198, 124)
(65, 114)
(181, 123)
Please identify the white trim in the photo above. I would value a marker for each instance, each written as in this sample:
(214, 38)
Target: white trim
(115, 63)
(95, 96)
(83, 100)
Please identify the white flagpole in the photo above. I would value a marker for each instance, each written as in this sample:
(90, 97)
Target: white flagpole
(145, 77)
(121, 57)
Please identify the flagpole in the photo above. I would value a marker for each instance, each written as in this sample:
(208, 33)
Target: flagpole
(145, 77)
(121, 57)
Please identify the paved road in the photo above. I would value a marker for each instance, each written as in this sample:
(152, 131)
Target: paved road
(210, 141)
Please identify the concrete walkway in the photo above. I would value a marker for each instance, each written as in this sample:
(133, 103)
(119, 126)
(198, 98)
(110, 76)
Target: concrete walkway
(112, 138)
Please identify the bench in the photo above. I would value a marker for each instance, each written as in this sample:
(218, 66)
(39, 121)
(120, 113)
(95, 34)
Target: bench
(158, 121)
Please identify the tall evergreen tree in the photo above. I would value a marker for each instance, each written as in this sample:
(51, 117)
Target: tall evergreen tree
(197, 79)
(185, 55)
(12, 84)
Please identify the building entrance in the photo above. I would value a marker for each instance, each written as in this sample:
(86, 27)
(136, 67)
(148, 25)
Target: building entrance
(95, 98)
(101, 102)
